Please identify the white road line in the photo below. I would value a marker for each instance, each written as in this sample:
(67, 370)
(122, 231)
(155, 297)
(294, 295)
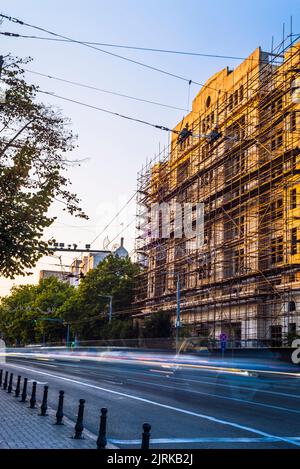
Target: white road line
(218, 396)
(165, 406)
(41, 364)
(242, 387)
(276, 393)
(265, 391)
(202, 440)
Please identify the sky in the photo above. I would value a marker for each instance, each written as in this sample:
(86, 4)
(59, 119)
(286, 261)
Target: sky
(112, 150)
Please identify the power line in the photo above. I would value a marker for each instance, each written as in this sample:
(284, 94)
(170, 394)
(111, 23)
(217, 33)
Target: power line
(113, 219)
(122, 230)
(123, 46)
(107, 111)
(104, 91)
(142, 64)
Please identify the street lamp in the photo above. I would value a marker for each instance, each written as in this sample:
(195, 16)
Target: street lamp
(178, 325)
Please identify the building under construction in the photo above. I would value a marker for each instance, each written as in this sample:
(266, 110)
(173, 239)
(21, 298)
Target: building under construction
(241, 159)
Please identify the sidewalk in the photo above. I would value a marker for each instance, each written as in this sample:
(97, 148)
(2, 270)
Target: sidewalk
(23, 428)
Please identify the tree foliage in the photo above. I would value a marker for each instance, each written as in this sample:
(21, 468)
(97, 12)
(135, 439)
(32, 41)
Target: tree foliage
(34, 141)
(89, 305)
(22, 310)
(157, 325)
(85, 308)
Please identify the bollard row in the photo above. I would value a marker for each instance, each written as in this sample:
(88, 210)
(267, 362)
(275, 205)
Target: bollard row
(7, 385)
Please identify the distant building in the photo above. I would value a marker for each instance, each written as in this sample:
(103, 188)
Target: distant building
(121, 251)
(91, 260)
(80, 267)
(62, 276)
(88, 262)
(75, 272)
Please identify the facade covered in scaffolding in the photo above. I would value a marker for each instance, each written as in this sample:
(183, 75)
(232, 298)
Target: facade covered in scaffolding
(245, 278)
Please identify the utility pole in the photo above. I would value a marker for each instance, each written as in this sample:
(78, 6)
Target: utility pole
(68, 335)
(178, 311)
(1, 64)
(2, 86)
(110, 309)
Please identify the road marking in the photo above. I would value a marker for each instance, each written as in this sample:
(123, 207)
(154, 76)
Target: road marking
(212, 382)
(166, 406)
(203, 440)
(162, 371)
(41, 364)
(174, 364)
(218, 396)
(277, 393)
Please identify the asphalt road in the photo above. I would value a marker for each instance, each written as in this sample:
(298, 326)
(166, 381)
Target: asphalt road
(187, 407)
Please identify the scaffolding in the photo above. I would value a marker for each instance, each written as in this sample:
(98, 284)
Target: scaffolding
(245, 279)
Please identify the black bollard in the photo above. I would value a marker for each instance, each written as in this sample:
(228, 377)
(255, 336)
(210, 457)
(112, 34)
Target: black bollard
(24, 392)
(18, 387)
(1, 374)
(44, 402)
(10, 384)
(60, 413)
(33, 395)
(146, 436)
(101, 441)
(79, 423)
(5, 381)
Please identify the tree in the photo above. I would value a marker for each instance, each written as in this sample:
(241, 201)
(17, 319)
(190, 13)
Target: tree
(16, 318)
(88, 306)
(157, 325)
(21, 310)
(85, 308)
(34, 140)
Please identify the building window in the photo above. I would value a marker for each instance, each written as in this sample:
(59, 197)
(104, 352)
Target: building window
(292, 328)
(235, 98)
(238, 261)
(293, 122)
(276, 106)
(277, 250)
(276, 141)
(204, 267)
(292, 306)
(276, 336)
(294, 241)
(276, 209)
(293, 198)
(241, 91)
(239, 226)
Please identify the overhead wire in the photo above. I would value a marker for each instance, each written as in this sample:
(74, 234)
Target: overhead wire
(107, 111)
(123, 46)
(83, 85)
(142, 64)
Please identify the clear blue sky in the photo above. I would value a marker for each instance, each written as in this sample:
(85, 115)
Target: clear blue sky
(115, 149)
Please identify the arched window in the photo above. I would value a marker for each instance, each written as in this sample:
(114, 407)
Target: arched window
(292, 306)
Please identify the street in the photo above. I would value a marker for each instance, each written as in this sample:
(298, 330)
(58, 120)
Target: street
(187, 406)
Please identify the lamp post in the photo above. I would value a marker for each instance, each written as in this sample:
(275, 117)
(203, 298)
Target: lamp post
(178, 311)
